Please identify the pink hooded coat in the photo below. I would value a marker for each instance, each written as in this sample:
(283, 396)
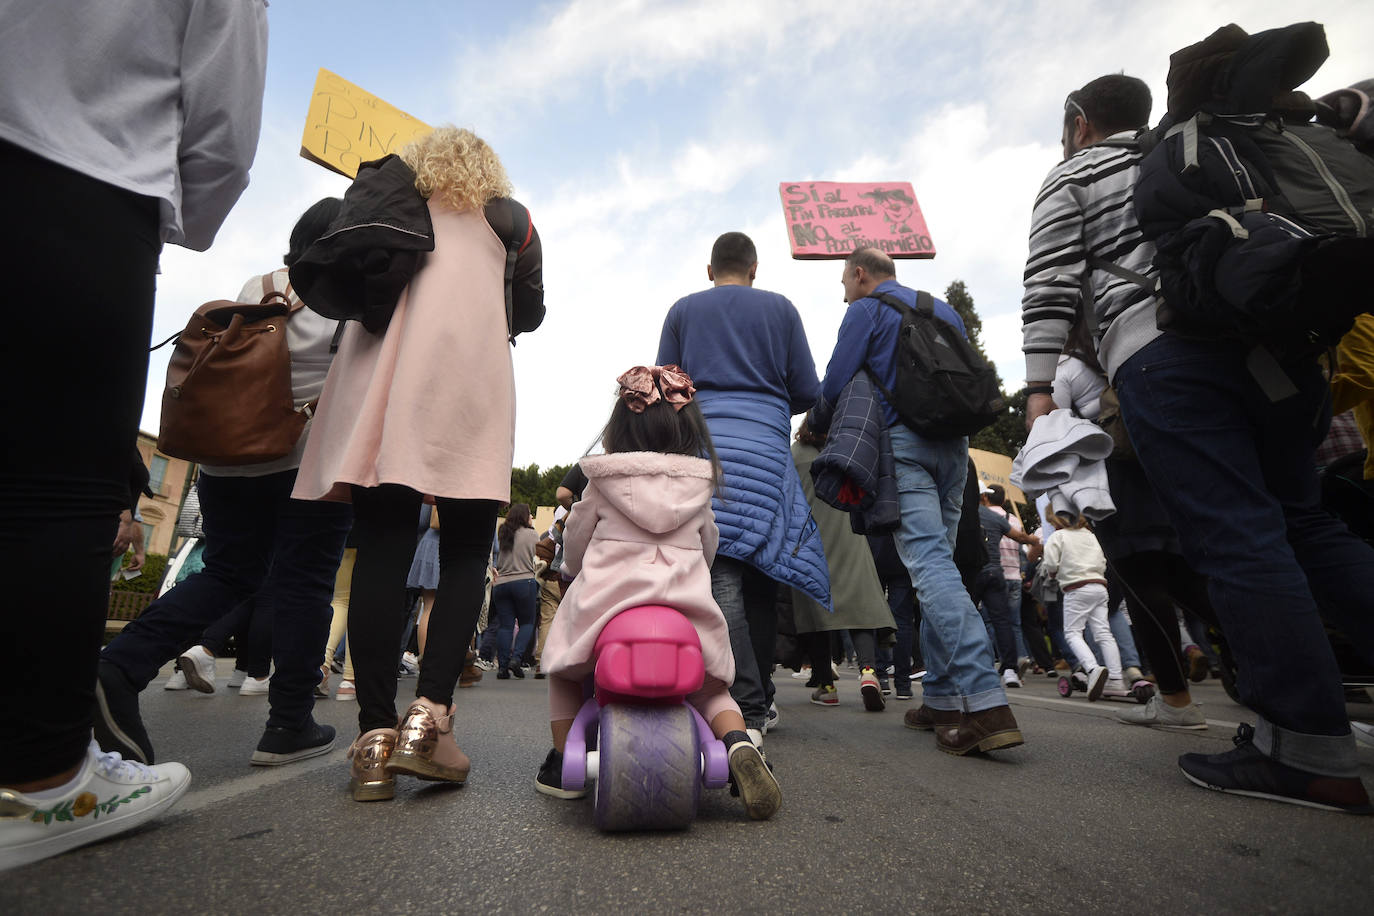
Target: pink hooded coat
(644, 533)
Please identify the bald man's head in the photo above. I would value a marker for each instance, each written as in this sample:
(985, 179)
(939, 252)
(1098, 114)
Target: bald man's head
(864, 270)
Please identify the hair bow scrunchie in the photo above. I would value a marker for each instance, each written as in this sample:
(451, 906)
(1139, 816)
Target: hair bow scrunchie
(641, 386)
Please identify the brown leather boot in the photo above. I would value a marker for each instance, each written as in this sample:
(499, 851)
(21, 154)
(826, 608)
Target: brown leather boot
(368, 778)
(471, 673)
(426, 748)
(985, 730)
(924, 719)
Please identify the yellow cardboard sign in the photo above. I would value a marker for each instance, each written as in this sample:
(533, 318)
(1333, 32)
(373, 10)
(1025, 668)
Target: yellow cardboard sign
(347, 126)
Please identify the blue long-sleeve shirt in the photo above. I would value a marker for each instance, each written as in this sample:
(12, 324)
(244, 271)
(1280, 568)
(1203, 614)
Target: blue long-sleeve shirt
(868, 336)
(738, 338)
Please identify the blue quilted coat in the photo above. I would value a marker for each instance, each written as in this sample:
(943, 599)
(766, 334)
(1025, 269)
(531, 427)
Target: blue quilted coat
(764, 518)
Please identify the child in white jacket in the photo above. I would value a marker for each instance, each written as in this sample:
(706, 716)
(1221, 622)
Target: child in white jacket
(1075, 560)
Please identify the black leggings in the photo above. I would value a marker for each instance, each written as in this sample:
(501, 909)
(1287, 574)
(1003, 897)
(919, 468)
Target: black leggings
(78, 257)
(384, 532)
(1154, 581)
(819, 646)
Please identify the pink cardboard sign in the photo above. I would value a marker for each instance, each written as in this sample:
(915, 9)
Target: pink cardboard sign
(828, 219)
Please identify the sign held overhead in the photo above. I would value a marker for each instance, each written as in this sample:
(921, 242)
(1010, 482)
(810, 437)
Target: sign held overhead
(347, 126)
(828, 219)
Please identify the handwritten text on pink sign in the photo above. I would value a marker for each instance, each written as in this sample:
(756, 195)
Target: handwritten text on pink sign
(827, 219)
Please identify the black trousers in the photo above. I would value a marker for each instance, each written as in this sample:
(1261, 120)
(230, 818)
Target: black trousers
(384, 534)
(1154, 581)
(78, 257)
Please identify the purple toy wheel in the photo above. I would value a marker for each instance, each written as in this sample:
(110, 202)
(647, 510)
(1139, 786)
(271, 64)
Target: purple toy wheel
(1065, 687)
(649, 775)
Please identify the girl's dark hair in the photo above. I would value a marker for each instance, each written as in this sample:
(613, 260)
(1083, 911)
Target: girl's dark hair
(660, 428)
(517, 517)
(807, 436)
(311, 226)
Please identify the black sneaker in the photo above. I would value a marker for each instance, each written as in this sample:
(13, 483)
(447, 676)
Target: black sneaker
(285, 745)
(517, 671)
(503, 674)
(904, 689)
(751, 777)
(550, 779)
(1247, 771)
(118, 726)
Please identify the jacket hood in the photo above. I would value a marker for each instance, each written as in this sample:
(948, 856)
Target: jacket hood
(659, 493)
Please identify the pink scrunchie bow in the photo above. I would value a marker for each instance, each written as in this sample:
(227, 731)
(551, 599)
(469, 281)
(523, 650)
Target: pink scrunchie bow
(641, 386)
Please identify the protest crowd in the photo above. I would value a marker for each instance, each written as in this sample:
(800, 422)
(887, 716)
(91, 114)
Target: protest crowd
(1196, 333)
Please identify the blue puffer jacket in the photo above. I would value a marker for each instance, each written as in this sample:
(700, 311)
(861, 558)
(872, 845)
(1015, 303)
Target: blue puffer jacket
(764, 519)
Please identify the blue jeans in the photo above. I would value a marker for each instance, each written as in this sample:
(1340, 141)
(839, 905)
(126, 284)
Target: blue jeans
(514, 603)
(931, 474)
(746, 596)
(907, 651)
(258, 541)
(1014, 608)
(1236, 474)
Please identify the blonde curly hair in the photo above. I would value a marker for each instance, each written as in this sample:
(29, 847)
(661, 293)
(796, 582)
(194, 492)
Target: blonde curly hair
(456, 166)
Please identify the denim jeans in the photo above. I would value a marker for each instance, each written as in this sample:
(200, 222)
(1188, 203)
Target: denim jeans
(1120, 623)
(1236, 474)
(931, 474)
(990, 592)
(746, 596)
(907, 651)
(258, 540)
(514, 603)
(1014, 609)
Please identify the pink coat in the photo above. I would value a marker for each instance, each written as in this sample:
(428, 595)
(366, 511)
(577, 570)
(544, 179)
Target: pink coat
(644, 533)
(430, 403)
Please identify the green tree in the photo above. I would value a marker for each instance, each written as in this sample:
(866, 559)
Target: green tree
(535, 487)
(1008, 434)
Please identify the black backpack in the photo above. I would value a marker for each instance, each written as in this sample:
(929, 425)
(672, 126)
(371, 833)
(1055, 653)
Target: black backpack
(1261, 220)
(944, 388)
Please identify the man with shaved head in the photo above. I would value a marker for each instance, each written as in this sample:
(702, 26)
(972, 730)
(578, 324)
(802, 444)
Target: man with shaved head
(964, 702)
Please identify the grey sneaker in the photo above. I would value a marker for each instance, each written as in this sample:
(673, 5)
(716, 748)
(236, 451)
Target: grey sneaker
(1158, 714)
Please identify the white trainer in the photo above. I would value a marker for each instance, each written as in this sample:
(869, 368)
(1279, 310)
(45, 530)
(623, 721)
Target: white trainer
(1010, 679)
(771, 722)
(254, 686)
(199, 667)
(176, 682)
(108, 796)
(756, 736)
(236, 677)
(1158, 714)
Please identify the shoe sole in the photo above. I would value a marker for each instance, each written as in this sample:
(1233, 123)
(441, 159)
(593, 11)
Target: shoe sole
(565, 794)
(903, 696)
(409, 764)
(758, 788)
(107, 730)
(1285, 799)
(834, 702)
(872, 697)
(995, 742)
(193, 678)
(269, 759)
(1095, 685)
(372, 791)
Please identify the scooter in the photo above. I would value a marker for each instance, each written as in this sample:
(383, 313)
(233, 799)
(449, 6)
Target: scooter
(1077, 682)
(648, 752)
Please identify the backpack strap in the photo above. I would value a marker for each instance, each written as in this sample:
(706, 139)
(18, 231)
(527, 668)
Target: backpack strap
(925, 305)
(521, 231)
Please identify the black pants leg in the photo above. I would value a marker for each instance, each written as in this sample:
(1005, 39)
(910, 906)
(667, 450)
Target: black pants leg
(1153, 582)
(818, 647)
(464, 547)
(79, 258)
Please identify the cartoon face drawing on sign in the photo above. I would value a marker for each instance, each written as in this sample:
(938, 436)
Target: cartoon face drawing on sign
(896, 206)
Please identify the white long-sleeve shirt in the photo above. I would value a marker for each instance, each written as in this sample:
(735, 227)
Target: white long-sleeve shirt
(1073, 555)
(163, 99)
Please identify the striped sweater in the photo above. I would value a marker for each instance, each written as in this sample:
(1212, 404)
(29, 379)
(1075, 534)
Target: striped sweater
(1084, 208)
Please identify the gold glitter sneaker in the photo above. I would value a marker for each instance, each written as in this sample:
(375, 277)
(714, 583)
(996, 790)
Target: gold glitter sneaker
(426, 748)
(368, 778)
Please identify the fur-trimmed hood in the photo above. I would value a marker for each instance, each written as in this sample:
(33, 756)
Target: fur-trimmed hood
(659, 493)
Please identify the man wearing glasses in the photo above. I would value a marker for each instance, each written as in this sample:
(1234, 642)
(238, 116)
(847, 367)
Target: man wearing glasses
(1233, 470)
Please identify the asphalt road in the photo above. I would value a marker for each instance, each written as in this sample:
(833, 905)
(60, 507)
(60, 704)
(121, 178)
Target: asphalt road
(1089, 816)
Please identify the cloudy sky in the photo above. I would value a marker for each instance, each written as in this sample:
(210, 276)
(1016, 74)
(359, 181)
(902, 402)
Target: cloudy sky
(637, 131)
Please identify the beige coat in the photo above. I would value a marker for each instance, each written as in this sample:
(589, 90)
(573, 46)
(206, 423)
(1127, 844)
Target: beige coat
(430, 403)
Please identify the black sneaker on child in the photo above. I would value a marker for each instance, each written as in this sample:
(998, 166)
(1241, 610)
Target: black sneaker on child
(1247, 771)
(118, 726)
(751, 777)
(285, 745)
(550, 779)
